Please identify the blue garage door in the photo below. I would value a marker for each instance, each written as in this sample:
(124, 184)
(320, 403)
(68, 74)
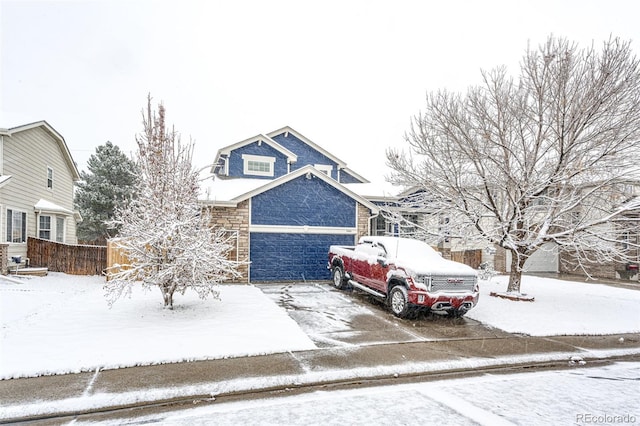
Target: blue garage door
(292, 257)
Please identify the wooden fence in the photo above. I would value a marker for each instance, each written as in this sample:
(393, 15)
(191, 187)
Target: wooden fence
(472, 258)
(67, 258)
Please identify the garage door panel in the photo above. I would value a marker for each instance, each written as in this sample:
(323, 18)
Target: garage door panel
(292, 257)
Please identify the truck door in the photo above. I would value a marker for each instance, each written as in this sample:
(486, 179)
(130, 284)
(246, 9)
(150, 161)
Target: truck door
(378, 270)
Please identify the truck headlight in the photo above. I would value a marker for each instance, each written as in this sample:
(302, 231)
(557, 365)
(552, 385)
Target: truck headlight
(423, 281)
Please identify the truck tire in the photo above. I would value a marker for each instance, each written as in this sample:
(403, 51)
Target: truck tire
(339, 281)
(399, 301)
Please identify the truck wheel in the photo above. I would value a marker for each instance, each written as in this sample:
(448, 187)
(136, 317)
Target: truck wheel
(338, 277)
(399, 301)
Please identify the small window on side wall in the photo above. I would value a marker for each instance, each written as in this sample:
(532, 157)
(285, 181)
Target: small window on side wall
(49, 178)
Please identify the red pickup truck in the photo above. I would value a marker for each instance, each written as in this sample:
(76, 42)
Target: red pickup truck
(407, 274)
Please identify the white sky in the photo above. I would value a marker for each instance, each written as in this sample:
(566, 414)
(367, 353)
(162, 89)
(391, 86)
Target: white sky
(346, 74)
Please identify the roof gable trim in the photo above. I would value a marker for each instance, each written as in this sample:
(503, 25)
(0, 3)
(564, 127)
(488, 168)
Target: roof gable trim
(61, 142)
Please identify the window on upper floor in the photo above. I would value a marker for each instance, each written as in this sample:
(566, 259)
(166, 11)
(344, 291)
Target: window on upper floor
(49, 178)
(16, 226)
(44, 227)
(258, 165)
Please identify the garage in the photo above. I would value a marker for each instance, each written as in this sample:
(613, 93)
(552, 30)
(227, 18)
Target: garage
(292, 256)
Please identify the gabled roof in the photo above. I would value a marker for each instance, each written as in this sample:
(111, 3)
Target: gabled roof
(304, 171)
(57, 136)
(292, 158)
(341, 164)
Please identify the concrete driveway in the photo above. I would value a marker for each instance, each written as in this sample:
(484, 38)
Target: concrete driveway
(339, 318)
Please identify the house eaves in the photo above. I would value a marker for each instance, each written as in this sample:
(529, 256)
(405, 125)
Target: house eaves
(291, 157)
(341, 164)
(57, 136)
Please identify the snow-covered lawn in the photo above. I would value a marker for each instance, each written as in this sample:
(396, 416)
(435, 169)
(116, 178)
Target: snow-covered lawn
(61, 323)
(560, 308)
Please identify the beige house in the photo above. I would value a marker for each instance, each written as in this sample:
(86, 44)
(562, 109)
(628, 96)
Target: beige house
(37, 176)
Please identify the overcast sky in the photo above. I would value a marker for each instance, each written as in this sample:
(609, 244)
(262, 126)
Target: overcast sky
(346, 74)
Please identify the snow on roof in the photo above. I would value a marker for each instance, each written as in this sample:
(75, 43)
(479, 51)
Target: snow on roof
(227, 189)
(48, 206)
(374, 190)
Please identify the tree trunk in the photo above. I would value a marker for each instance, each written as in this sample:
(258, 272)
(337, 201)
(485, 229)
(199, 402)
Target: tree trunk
(168, 298)
(515, 276)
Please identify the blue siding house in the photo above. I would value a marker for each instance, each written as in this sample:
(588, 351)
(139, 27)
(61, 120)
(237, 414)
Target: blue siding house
(285, 200)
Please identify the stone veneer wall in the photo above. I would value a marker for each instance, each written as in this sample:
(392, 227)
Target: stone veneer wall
(363, 221)
(4, 258)
(235, 219)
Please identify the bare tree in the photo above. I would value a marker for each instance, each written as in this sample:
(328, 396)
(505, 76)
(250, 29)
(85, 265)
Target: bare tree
(165, 234)
(546, 157)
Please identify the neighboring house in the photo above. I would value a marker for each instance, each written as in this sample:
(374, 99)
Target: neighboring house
(284, 200)
(37, 176)
(400, 216)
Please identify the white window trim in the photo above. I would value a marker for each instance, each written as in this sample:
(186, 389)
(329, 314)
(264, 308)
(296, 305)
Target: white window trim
(324, 168)
(259, 158)
(51, 219)
(26, 226)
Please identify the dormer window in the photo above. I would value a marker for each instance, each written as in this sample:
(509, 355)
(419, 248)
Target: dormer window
(258, 165)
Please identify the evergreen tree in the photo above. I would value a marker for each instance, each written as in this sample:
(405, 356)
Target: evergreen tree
(109, 183)
(166, 235)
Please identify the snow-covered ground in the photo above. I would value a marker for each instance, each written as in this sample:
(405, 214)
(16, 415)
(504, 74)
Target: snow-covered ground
(560, 308)
(600, 395)
(61, 323)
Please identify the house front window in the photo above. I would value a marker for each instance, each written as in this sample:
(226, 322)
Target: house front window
(16, 226)
(60, 229)
(409, 227)
(44, 227)
(258, 165)
(381, 226)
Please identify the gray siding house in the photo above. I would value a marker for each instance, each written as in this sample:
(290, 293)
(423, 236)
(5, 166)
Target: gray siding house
(37, 175)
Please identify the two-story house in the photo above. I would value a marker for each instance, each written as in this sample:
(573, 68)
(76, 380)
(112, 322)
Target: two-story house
(284, 201)
(37, 175)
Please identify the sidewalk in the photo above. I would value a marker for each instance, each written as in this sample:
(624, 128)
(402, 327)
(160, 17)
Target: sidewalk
(70, 394)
